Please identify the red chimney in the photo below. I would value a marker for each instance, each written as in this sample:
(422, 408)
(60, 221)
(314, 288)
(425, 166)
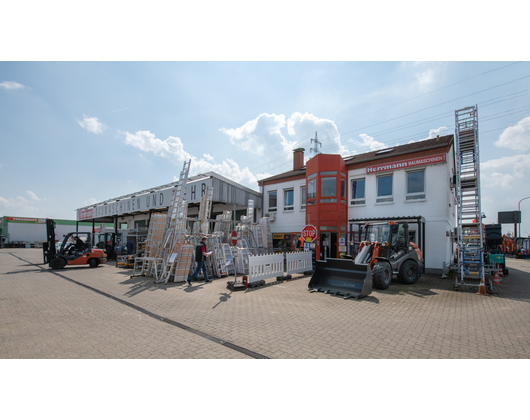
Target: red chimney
(298, 158)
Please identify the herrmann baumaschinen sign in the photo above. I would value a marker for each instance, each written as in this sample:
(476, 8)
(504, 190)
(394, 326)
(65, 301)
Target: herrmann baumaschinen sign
(409, 163)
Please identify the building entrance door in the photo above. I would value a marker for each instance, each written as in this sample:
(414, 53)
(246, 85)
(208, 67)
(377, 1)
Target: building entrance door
(328, 245)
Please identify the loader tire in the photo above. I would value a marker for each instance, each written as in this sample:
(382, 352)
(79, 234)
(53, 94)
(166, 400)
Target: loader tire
(381, 275)
(408, 272)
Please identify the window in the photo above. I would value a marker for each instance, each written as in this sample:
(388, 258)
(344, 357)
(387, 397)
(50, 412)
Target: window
(328, 186)
(302, 198)
(343, 188)
(384, 189)
(273, 198)
(357, 191)
(416, 185)
(123, 226)
(311, 191)
(288, 200)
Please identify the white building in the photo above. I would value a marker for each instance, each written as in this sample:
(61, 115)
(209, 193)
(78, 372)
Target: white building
(337, 195)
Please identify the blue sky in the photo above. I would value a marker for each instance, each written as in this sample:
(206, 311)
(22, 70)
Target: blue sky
(76, 133)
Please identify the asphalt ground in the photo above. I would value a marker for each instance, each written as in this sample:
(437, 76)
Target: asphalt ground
(103, 313)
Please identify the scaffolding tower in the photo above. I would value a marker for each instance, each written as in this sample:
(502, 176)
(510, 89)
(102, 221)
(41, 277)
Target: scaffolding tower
(470, 236)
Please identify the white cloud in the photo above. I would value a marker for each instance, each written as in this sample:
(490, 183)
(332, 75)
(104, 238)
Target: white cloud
(442, 131)
(367, 143)
(303, 128)
(92, 124)
(425, 73)
(516, 137)
(255, 135)
(146, 141)
(33, 196)
(173, 149)
(11, 85)
(22, 206)
(425, 79)
(506, 172)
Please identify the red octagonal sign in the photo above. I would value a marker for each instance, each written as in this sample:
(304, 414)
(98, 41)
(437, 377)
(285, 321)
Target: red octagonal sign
(309, 233)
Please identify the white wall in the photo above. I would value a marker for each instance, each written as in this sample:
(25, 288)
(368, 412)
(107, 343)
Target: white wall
(437, 208)
(286, 221)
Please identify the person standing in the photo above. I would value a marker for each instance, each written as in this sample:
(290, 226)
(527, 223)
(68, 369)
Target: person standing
(200, 258)
(130, 246)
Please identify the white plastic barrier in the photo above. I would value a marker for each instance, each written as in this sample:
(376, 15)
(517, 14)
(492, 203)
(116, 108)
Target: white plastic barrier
(298, 262)
(262, 267)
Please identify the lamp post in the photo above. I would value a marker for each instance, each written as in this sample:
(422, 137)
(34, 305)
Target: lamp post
(519, 209)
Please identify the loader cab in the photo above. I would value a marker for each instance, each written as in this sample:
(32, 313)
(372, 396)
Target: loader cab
(392, 238)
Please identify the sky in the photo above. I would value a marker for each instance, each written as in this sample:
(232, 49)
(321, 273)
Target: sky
(78, 133)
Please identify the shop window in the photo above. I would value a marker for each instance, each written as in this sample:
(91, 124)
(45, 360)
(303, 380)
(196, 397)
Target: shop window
(273, 199)
(416, 185)
(311, 191)
(384, 189)
(288, 200)
(328, 186)
(140, 224)
(357, 191)
(302, 198)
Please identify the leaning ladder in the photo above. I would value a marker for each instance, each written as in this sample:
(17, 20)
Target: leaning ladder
(175, 223)
(470, 230)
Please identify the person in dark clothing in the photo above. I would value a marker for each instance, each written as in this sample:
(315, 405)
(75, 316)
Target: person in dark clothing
(79, 244)
(200, 258)
(130, 247)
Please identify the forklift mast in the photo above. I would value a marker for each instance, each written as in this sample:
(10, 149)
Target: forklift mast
(48, 247)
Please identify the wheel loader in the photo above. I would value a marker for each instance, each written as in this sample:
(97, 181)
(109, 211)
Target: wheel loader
(385, 252)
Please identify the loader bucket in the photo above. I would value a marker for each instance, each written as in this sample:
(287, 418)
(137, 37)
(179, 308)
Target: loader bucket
(341, 277)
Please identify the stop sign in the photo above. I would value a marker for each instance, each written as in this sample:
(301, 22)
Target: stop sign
(234, 238)
(309, 233)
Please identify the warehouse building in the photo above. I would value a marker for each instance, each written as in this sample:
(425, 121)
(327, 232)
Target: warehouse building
(131, 213)
(30, 232)
(339, 195)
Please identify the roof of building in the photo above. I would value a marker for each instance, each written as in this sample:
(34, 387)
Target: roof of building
(419, 146)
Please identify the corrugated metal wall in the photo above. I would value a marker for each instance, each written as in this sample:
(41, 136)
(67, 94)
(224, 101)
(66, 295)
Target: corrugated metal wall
(227, 193)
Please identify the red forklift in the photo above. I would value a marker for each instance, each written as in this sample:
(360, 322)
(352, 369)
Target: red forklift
(75, 249)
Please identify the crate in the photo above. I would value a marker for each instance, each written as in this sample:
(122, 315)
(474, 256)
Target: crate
(496, 259)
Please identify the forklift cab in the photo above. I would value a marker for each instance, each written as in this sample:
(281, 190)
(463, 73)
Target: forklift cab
(76, 243)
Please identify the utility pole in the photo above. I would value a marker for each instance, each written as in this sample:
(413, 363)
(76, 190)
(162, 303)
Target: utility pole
(317, 143)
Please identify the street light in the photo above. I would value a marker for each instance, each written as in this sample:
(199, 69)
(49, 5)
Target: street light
(519, 208)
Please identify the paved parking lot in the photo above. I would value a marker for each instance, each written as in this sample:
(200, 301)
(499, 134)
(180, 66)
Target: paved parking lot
(79, 313)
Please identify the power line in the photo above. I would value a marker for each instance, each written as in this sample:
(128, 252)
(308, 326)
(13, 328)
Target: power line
(432, 91)
(389, 131)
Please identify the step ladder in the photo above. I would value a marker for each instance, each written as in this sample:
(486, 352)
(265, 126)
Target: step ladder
(471, 234)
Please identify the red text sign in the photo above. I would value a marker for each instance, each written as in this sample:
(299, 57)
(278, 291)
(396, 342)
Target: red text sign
(409, 163)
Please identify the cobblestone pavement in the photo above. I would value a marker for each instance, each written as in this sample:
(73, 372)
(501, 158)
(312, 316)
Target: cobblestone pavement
(103, 313)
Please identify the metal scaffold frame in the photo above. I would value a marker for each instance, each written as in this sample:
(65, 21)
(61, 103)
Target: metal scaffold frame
(470, 237)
